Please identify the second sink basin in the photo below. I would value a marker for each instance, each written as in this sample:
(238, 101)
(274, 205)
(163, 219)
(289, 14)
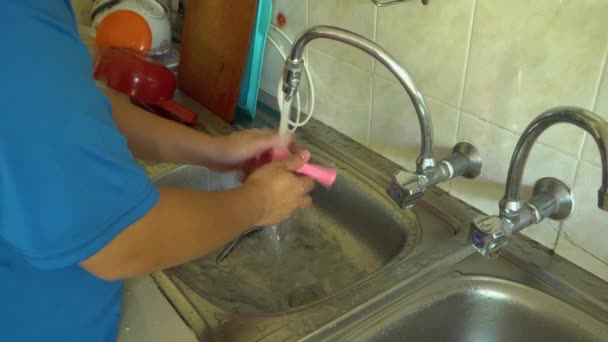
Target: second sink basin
(352, 231)
(479, 300)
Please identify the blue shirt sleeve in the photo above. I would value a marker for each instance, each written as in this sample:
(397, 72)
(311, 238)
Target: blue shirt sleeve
(68, 182)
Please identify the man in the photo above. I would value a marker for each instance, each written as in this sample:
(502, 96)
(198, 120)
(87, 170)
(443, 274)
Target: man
(77, 214)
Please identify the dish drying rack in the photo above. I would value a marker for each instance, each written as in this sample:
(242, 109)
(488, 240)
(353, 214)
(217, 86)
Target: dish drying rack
(169, 56)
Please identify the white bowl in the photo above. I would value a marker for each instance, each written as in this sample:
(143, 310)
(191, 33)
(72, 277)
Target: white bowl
(155, 12)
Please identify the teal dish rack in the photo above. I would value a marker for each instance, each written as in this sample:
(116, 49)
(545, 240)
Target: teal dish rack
(248, 96)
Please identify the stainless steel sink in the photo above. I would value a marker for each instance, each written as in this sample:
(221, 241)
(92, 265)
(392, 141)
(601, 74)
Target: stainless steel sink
(480, 300)
(352, 245)
(351, 232)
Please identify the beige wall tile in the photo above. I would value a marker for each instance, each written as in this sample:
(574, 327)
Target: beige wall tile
(583, 259)
(343, 95)
(591, 153)
(271, 69)
(354, 15)
(394, 126)
(524, 60)
(584, 239)
(601, 106)
(296, 12)
(430, 42)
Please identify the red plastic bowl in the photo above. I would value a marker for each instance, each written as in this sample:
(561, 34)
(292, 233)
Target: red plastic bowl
(142, 79)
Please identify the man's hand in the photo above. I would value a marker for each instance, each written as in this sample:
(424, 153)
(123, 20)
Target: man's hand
(280, 190)
(151, 137)
(233, 151)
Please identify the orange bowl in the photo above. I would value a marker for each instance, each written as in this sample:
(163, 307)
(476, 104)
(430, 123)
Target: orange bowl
(126, 29)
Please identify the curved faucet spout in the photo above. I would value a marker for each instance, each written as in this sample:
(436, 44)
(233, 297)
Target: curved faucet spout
(590, 122)
(292, 73)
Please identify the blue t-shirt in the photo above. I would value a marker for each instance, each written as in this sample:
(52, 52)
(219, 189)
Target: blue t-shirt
(68, 182)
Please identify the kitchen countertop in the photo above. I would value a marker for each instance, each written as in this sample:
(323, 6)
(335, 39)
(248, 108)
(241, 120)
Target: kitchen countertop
(148, 316)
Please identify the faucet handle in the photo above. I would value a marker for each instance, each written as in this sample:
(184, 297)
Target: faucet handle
(490, 234)
(406, 187)
(551, 198)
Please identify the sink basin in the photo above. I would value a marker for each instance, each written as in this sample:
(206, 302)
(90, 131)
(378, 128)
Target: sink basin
(352, 231)
(480, 300)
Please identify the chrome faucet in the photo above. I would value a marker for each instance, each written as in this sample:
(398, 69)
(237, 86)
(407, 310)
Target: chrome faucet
(406, 187)
(551, 198)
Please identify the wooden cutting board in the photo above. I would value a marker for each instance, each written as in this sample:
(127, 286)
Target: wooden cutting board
(214, 50)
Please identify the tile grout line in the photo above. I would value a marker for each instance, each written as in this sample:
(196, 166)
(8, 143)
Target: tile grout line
(360, 68)
(466, 68)
(600, 82)
(393, 81)
(562, 223)
(581, 150)
(375, 37)
(371, 102)
(570, 240)
(559, 229)
(307, 13)
(371, 112)
(307, 49)
(495, 125)
(464, 78)
(594, 99)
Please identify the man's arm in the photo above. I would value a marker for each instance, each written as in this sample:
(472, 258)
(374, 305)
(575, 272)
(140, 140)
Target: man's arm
(187, 224)
(151, 137)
